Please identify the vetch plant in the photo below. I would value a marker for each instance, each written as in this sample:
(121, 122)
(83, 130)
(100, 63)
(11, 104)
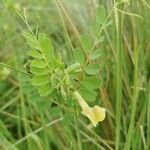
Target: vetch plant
(51, 75)
(82, 71)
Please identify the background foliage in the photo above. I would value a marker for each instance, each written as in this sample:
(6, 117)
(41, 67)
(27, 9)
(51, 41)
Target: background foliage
(103, 53)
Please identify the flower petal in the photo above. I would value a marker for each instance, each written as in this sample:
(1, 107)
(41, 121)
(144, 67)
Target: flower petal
(81, 101)
(96, 114)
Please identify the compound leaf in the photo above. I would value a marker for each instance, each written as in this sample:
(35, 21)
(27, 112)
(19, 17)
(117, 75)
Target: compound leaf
(87, 94)
(91, 82)
(86, 42)
(38, 63)
(35, 54)
(31, 40)
(45, 90)
(95, 54)
(46, 47)
(40, 80)
(79, 55)
(92, 69)
(101, 14)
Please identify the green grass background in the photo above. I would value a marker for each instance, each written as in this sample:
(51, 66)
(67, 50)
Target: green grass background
(125, 93)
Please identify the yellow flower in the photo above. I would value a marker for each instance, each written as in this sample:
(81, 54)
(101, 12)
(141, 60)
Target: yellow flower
(95, 114)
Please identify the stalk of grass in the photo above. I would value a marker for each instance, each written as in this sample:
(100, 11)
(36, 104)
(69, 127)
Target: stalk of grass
(8, 101)
(148, 117)
(143, 137)
(65, 29)
(38, 130)
(133, 102)
(69, 19)
(118, 76)
(92, 140)
(96, 135)
(45, 135)
(77, 129)
(23, 113)
(13, 68)
(18, 118)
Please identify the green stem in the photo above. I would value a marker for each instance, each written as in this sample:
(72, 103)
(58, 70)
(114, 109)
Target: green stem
(77, 129)
(148, 117)
(16, 69)
(118, 75)
(65, 29)
(134, 102)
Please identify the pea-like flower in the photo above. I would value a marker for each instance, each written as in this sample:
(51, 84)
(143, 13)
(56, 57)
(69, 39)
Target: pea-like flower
(95, 114)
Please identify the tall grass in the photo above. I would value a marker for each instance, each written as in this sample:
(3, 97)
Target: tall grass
(32, 122)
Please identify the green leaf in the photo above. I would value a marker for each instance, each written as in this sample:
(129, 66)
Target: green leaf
(27, 87)
(67, 80)
(55, 111)
(33, 98)
(101, 14)
(92, 69)
(40, 80)
(38, 71)
(73, 68)
(31, 40)
(95, 54)
(35, 54)
(87, 94)
(67, 119)
(91, 82)
(79, 55)
(86, 42)
(54, 80)
(46, 47)
(43, 105)
(95, 26)
(59, 62)
(38, 63)
(45, 90)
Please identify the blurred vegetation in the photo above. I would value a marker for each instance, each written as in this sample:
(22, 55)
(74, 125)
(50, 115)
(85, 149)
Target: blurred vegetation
(28, 121)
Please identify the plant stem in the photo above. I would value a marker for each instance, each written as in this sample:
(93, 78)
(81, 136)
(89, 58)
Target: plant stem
(77, 129)
(133, 102)
(38, 130)
(148, 117)
(118, 75)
